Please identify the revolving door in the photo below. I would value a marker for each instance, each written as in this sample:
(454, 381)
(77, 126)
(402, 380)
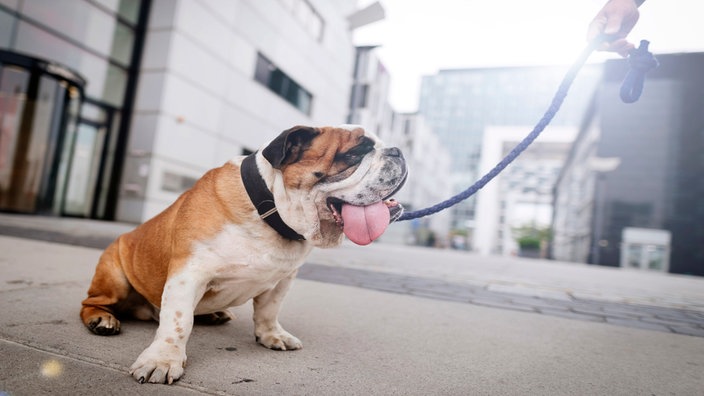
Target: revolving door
(39, 118)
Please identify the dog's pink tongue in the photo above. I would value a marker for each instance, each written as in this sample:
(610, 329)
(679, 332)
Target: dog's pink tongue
(363, 224)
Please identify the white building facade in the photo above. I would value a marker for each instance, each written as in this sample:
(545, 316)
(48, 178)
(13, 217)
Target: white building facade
(522, 195)
(428, 160)
(221, 78)
(428, 182)
(139, 98)
(369, 100)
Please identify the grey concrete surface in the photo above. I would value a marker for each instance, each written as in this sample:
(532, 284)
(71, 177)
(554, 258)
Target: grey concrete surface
(356, 341)
(654, 301)
(620, 297)
(523, 277)
(669, 320)
(527, 277)
(81, 232)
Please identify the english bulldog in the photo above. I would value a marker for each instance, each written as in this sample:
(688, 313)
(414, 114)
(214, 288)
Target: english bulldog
(241, 233)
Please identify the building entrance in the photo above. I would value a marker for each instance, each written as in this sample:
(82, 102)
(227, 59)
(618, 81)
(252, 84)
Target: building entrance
(645, 248)
(39, 119)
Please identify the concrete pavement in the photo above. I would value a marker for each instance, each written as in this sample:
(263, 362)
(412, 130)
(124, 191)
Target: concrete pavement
(358, 340)
(528, 277)
(647, 300)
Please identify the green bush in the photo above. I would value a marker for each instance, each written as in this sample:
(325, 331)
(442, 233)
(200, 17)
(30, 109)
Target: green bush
(529, 242)
(529, 237)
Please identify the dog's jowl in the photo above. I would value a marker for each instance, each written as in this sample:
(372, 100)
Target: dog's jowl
(240, 234)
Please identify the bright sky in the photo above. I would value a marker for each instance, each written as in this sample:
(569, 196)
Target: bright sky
(420, 37)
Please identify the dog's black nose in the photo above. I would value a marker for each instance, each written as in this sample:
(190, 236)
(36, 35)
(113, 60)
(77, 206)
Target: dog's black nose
(393, 152)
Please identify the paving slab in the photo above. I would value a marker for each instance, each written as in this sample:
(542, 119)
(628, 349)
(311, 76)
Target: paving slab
(527, 277)
(356, 341)
(27, 370)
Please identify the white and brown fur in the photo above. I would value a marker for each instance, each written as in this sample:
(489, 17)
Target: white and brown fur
(210, 250)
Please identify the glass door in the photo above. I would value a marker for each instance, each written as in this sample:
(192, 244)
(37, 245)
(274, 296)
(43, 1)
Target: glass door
(645, 248)
(646, 256)
(13, 99)
(88, 161)
(84, 160)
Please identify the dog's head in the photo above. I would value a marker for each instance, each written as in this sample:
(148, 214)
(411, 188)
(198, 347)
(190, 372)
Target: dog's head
(331, 180)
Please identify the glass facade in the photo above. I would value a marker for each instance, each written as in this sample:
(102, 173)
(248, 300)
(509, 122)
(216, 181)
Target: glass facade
(659, 140)
(459, 104)
(657, 184)
(84, 138)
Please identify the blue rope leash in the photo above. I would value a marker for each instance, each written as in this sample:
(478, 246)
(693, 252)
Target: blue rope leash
(641, 61)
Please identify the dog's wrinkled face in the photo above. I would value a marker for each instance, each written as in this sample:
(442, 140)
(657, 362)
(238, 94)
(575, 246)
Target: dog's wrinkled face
(329, 180)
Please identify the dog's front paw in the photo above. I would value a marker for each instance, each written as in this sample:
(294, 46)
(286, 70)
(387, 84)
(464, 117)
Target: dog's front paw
(159, 365)
(278, 339)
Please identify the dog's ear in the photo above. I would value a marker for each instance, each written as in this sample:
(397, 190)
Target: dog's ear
(289, 146)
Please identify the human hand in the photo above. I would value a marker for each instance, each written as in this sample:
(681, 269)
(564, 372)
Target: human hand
(615, 21)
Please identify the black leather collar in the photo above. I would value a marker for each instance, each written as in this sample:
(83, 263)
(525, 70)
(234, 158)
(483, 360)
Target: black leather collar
(263, 199)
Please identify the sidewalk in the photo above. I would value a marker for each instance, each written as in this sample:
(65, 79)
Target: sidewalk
(528, 277)
(640, 299)
(356, 340)
(524, 277)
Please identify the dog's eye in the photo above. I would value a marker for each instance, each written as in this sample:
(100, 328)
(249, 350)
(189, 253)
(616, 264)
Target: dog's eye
(366, 146)
(318, 174)
(354, 155)
(349, 158)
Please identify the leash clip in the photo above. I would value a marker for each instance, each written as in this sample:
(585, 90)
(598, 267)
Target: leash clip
(641, 61)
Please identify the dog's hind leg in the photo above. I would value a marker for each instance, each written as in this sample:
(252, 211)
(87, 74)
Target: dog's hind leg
(108, 288)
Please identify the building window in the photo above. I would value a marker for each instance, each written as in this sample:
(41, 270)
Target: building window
(281, 84)
(407, 127)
